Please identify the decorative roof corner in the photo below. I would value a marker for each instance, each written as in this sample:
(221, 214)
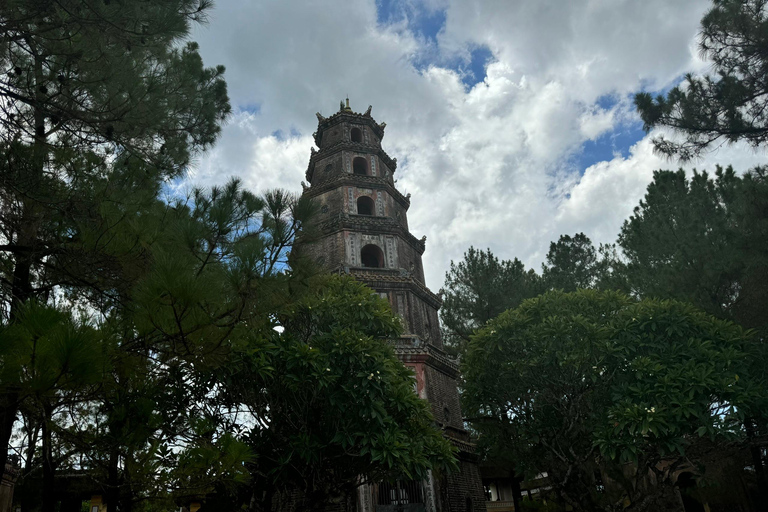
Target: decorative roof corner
(368, 112)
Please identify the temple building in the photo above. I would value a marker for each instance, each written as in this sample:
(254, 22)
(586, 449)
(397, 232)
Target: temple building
(363, 231)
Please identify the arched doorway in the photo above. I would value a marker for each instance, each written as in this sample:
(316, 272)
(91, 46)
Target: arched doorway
(365, 205)
(357, 135)
(360, 166)
(371, 256)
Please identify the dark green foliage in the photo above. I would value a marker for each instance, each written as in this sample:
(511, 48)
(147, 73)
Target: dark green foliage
(479, 288)
(730, 106)
(574, 383)
(147, 426)
(193, 393)
(102, 102)
(138, 332)
(702, 240)
(331, 405)
(571, 263)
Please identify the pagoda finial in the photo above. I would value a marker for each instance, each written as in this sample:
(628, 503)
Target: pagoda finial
(346, 107)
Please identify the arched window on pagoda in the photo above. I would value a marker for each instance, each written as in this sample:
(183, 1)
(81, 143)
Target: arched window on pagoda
(365, 205)
(357, 135)
(360, 166)
(372, 256)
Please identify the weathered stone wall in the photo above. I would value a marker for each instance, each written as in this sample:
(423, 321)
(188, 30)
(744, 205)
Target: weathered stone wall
(326, 168)
(342, 132)
(460, 486)
(444, 398)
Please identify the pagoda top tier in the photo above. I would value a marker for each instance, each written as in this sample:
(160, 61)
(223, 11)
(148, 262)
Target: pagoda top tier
(345, 113)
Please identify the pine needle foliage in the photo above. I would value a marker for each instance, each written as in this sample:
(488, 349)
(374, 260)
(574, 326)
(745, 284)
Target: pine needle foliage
(728, 106)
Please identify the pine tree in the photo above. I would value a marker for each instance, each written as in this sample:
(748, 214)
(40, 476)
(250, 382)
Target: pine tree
(571, 263)
(479, 288)
(727, 107)
(702, 239)
(100, 104)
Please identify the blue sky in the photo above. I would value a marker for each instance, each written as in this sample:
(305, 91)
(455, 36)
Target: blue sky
(615, 143)
(427, 22)
(512, 121)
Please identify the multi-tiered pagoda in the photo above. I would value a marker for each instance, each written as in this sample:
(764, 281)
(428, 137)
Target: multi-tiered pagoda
(363, 231)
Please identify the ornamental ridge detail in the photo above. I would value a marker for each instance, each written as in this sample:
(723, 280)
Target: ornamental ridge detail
(352, 146)
(362, 182)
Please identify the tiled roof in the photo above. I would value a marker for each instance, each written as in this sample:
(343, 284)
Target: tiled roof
(344, 144)
(326, 122)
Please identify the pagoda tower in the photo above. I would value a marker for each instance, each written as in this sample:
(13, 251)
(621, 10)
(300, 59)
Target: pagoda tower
(362, 230)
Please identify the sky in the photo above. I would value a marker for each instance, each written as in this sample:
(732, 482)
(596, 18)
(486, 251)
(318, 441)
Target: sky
(512, 120)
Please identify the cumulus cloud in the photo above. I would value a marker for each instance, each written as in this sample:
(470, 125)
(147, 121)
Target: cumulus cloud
(498, 164)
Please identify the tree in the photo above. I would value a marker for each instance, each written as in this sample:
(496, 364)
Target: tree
(100, 104)
(58, 361)
(702, 240)
(571, 263)
(216, 256)
(331, 406)
(585, 382)
(729, 107)
(148, 427)
(205, 399)
(479, 288)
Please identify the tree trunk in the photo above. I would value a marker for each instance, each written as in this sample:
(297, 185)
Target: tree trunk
(757, 461)
(112, 494)
(49, 468)
(517, 494)
(33, 430)
(8, 410)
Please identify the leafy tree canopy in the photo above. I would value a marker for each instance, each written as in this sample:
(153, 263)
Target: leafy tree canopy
(480, 287)
(573, 383)
(100, 103)
(333, 406)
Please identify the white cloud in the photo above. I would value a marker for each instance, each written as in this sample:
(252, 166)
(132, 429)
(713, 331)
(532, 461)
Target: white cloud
(263, 162)
(490, 166)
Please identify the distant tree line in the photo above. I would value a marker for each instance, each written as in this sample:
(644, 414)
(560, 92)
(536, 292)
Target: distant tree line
(699, 239)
